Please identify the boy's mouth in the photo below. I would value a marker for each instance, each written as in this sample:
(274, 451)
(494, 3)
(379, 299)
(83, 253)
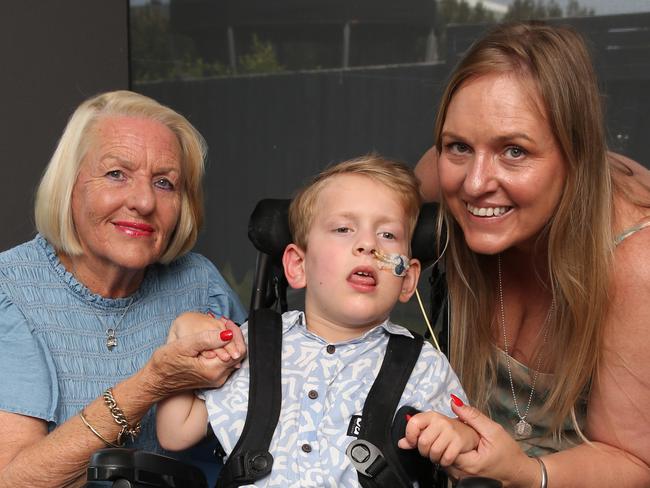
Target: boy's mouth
(363, 276)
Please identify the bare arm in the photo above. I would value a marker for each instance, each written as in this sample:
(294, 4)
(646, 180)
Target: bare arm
(31, 457)
(181, 421)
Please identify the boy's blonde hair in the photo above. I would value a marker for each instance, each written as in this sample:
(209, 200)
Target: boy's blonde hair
(397, 177)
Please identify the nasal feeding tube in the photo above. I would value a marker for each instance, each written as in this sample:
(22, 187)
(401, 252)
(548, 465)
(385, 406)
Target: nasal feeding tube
(398, 263)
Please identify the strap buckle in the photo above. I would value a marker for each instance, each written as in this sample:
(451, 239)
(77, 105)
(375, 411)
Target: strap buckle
(366, 458)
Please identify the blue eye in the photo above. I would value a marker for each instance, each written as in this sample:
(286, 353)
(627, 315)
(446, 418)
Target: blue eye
(115, 174)
(457, 147)
(515, 152)
(387, 235)
(164, 184)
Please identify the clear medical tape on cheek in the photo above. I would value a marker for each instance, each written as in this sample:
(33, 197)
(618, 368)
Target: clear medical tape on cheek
(397, 263)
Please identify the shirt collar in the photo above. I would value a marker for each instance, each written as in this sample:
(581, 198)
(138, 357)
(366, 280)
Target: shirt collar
(297, 318)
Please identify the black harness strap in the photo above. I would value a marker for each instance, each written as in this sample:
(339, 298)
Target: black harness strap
(250, 459)
(373, 453)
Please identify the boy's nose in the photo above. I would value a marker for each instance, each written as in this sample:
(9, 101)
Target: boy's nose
(364, 249)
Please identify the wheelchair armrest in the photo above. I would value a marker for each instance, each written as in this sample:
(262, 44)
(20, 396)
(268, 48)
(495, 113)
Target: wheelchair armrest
(132, 468)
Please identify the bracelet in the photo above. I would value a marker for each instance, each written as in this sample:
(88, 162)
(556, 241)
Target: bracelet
(544, 482)
(120, 419)
(94, 431)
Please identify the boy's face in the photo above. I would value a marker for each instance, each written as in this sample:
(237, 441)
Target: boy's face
(346, 291)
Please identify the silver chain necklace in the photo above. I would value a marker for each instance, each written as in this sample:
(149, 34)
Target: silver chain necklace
(111, 338)
(522, 428)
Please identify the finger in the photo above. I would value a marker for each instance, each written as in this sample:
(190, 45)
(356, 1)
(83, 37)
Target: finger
(474, 418)
(223, 355)
(210, 354)
(195, 344)
(449, 454)
(237, 346)
(404, 443)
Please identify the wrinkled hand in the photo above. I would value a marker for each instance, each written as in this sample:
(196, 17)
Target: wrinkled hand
(197, 355)
(497, 455)
(436, 437)
(190, 323)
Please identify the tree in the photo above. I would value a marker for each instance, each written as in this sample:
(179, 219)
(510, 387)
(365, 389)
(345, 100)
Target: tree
(541, 9)
(159, 54)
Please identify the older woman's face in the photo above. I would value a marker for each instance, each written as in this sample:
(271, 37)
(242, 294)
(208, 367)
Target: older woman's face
(127, 198)
(501, 170)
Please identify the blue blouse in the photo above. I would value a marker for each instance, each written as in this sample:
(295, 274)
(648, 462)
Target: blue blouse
(53, 354)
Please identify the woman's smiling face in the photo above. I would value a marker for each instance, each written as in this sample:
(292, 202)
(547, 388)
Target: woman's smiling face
(501, 169)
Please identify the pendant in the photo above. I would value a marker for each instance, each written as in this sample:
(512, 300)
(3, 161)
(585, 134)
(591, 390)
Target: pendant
(523, 429)
(111, 340)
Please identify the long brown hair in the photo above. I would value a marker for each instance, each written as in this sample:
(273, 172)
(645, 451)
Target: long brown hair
(578, 235)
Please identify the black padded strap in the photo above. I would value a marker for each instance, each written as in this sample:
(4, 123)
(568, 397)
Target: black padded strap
(385, 470)
(250, 459)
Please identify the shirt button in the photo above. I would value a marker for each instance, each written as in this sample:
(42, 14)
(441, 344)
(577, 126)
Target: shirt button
(306, 448)
(313, 394)
(330, 349)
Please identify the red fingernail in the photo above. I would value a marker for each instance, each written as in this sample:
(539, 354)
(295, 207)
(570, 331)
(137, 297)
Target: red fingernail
(408, 417)
(457, 401)
(226, 335)
(211, 315)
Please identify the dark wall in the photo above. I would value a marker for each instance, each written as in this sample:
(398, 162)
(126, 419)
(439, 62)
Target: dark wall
(54, 55)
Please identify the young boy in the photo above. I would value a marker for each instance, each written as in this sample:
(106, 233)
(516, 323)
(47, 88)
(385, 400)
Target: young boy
(351, 228)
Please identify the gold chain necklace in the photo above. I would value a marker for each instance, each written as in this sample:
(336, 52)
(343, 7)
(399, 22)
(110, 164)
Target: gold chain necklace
(522, 428)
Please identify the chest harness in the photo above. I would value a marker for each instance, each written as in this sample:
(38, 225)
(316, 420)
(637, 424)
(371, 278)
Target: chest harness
(374, 454)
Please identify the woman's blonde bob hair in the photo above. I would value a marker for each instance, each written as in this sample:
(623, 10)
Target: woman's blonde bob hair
(576, 243)
(53, 207)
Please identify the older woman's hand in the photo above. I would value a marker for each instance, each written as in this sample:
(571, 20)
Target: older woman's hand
(186, 363)
(191, 323)
(497, 456)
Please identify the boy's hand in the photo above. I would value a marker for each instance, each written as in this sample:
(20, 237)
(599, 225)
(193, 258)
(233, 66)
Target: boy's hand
(438, 437)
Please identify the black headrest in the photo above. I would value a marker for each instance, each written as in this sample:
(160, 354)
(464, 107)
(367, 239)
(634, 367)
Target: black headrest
(268, 229)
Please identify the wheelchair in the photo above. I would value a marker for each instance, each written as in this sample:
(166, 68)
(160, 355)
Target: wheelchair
(268, 230)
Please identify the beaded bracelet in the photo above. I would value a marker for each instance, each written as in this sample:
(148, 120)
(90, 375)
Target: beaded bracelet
(544, 482)
(94, 431)
(120, 419)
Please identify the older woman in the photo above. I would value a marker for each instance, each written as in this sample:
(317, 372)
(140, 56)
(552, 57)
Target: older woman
(548, 266)
(85, 307)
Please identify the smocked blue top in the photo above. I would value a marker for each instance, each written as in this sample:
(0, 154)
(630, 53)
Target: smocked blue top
(53, 354)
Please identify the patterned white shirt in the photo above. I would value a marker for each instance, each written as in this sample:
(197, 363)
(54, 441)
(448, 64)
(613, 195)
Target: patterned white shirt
(323, 386)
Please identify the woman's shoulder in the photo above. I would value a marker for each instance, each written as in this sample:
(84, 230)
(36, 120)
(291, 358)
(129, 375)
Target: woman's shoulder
(25, 252)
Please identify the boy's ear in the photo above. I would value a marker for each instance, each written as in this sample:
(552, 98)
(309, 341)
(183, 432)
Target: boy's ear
(293, 261)
(410, 282)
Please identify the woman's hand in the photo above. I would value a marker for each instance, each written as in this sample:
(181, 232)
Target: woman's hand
(497, 456)
(201, 353)
(190, 323)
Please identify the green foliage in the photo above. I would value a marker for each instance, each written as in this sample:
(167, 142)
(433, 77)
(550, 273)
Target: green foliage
(460, 12)
(159, 54)
(531, 9)
(573, 9)
(544, 9)
(261, 59)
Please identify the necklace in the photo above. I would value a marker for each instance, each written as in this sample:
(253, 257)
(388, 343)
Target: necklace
(522, 428)
(111, 338)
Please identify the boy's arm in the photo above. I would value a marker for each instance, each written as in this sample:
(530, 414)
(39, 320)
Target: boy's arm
(438, 437)
(181, 421)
